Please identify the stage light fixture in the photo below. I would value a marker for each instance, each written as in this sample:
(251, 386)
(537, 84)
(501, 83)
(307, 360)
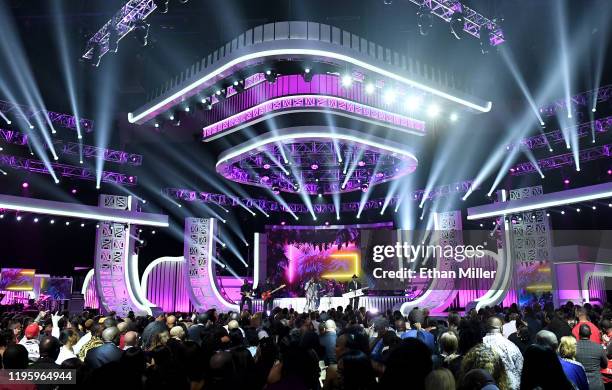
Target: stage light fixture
(141, 31)
(96, 55)
(271, 76)
(175, 120)
(413, 102)
(25, 184)
(187, 109)
(156, 124)
(457, 24)
(320, 195)
(594, 207)
(433, 111)
(578, 210)
(389, 96)
(594, 109)
(52, 221)
(113, 39)
(562, 212)
(307, 75)
(369, 88)
(18, 218)
(424, 19)
(35, 220)
(346, 80)
(454, 117)
(275, 190)
(364, 187)
(238, 85)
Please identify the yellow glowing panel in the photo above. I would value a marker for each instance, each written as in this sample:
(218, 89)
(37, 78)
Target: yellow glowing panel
(350, 257)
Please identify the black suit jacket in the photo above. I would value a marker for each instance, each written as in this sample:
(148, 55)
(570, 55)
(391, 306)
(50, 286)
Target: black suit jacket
(106, 353)
(354, 285)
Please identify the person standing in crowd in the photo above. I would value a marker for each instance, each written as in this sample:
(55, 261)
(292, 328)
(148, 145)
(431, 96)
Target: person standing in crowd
(583, 319)
(508, 352)
(268, 302)
(592, 357)
(572, 368)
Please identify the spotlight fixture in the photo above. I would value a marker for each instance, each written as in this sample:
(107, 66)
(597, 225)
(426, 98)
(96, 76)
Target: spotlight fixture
(389, 96)
(238, 85)
(364, 187)
(425, 19)
(433, 111)
(314, 166)
(96, 55)
(594, 109)
(18, 218)
(162, 5)
(52, 221)
(275, 190)
(35, 220)
(484, 37)
(454, 117)
(457, 24)
(369, 88)
(271, 76)
(346, 80)
(141, 31)
(175, 120)
(307, 74)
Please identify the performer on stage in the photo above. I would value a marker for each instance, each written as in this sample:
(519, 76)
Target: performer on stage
(267, 303)
(246, 290)
(312, 294)
(352, 286)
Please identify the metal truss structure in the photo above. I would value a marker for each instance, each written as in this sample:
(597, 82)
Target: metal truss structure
(317, 166)
(319, 208)
(586, 98)
(602, 125)
(72, 148)
(555, 162)
(17, 111)
(77, 172)
(473, 22)
(123, 22)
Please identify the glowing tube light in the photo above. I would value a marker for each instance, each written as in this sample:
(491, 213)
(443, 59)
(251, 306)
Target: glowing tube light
(174, 98)
(554, 199)
(63, 209)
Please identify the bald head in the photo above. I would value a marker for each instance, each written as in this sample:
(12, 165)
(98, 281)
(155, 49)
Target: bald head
(122, 326)
(170, 321)
(494, 324)
(233, 324)
(111, 335)
(548, 339)
(131, 339)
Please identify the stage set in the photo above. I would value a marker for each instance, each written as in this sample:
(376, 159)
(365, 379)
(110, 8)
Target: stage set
(313, 135)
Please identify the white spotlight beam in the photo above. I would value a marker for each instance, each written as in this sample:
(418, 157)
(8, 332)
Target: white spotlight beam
(553, 199)
(73, 210)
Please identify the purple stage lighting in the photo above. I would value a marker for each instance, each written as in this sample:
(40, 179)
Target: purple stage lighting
(566, 181)
(314, 166)
(25, 184)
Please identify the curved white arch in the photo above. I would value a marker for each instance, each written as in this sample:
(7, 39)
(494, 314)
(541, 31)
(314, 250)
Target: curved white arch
(260, 55)
(86, 281)
(145, 275)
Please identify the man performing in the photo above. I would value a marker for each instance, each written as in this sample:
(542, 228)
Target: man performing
(267, 303)
(312, 295)
(246, 290)
(352, 286)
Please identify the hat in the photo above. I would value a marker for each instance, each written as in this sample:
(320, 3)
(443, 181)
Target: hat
(354, 276)
(32, 330)
(262, 334)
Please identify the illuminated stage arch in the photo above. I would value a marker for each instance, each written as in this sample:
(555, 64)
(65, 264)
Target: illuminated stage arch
(321, 160)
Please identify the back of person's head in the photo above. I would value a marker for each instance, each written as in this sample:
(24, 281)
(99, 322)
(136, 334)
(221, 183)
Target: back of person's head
(68, 337)
(109, 322)
(49, 347)
(330, 326)
(542, 369)
(449, 343)
(482, 356)
(356, 372)
(409, 359)
(547, 339)
(494, 324)
(15, 357)
(111, 335)
(584, 331)
(72, 364)
(177, 332)
(440, 379)
(202, 318)
(221, 372)
(381, 324)
(477, 379)
(134, 360)
(567, 347)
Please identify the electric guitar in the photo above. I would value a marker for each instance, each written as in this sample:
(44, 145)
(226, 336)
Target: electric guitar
(267, 294)
(355, 293)
(247, 294)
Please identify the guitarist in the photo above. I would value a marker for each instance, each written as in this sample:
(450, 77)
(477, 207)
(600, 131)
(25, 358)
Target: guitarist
(267, 303)
(352, 286)
(246, 290)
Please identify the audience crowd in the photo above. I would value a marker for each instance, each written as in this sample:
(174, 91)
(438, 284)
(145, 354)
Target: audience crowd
(493, 348)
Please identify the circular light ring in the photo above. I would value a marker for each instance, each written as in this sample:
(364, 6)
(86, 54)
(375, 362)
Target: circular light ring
(244, 163)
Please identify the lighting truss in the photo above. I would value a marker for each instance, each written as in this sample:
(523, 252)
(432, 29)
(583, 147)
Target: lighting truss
(319, 208)
(72, 148)
(555, 162)
(64, 170)
(123, 21)
(62, 120)
(586, 98)
(602, 125)
(473, 21)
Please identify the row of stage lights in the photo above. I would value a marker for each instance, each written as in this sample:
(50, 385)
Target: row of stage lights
(548, 214)
(54, 221)
(412, 103)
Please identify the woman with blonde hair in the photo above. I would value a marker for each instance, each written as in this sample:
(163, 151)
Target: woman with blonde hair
(440, 379)
(483, 357)
(572, 369)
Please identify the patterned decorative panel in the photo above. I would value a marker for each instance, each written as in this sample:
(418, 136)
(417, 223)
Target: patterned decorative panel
(530, 231)
(199, 252)
(113, 254)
